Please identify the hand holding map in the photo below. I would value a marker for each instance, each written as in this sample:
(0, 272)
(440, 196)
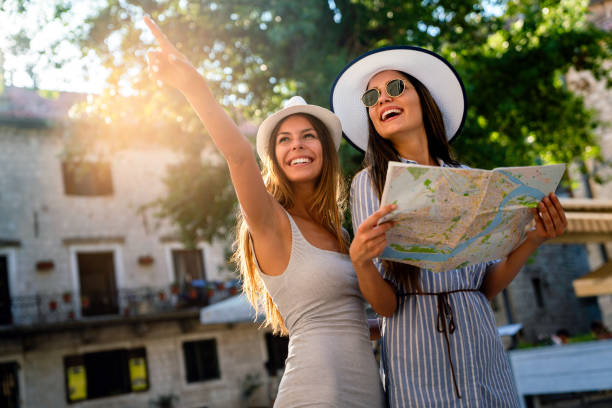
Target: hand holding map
(448, 218)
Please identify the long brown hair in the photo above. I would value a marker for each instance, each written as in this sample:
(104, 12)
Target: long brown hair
(380, 151)
(326, 208)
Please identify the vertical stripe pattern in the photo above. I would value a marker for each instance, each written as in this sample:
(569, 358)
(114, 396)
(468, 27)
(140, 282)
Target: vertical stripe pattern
(414, 361)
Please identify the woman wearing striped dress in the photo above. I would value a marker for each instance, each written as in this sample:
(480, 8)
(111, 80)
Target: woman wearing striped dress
(439, 344)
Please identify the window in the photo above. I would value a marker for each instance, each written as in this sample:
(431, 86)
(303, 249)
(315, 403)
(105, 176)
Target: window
(99, 295)
(6, 316)
(188, 265)
(9, 397)
(105, 373)
(201, 363)
(87, 178)
(278, 348)
(537, 290)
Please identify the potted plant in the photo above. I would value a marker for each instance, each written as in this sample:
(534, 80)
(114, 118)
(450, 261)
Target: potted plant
(67, 296)
(210, 291)
(145, 260)
(52, 305)
(174, 288)
(44, 266)
(193, 293)
(84, 302)
(164, 401)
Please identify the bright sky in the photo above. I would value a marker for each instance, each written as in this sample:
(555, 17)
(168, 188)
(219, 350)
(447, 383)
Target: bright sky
(70, 77)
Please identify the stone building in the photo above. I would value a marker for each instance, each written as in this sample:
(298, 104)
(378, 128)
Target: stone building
(97, 307)
(598, 97)
(542, 298)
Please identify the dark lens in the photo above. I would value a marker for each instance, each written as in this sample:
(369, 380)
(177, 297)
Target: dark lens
(395, 87)
(370, 97)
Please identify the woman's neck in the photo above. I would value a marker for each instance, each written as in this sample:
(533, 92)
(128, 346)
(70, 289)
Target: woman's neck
(415, 148)
(302, 197)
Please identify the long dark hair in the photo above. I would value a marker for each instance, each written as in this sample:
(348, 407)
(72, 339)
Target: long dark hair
(380, 151)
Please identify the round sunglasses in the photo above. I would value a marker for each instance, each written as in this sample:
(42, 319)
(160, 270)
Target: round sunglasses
(394, 88)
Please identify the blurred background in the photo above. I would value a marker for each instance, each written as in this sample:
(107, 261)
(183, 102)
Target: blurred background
(117, 214)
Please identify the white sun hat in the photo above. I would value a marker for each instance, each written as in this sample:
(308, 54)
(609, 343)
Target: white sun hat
(297, 104)
(432, 70)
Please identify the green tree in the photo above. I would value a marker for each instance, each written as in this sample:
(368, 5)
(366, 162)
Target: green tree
(513, 56)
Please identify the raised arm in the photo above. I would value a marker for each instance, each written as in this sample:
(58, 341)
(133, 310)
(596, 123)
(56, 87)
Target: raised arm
(550, 222)
(173, 68)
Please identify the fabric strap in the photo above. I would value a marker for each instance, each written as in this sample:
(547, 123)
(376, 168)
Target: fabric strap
(445, 322)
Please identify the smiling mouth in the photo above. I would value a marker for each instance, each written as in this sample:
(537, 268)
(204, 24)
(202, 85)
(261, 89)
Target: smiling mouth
(390, 113)
(300, 160)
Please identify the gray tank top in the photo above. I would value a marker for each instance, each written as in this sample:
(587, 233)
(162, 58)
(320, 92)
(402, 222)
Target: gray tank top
(330, 362)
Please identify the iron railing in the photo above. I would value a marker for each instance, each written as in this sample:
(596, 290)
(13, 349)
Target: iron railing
(52, 308)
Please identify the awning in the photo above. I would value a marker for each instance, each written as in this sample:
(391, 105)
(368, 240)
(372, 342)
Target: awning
(509, 329)
(589, 221)
(235, 309)
(596, 283)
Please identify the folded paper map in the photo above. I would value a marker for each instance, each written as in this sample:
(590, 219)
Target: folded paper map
(449, 218)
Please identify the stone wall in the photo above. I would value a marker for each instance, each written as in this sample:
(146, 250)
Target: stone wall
(43, 223)
(554, 266)
(241, 351)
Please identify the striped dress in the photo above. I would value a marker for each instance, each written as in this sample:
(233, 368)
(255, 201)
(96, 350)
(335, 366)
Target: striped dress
(425, 361)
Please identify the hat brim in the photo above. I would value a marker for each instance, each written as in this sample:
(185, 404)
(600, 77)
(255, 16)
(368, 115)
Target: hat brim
(432, 70)
(329, 119)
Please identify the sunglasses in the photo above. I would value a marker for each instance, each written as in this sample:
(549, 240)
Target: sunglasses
(394, 88)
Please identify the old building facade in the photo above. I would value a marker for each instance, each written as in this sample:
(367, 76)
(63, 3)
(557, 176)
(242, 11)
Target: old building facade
(99, 306)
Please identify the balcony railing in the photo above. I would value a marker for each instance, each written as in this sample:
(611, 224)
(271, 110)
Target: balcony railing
(52, 308)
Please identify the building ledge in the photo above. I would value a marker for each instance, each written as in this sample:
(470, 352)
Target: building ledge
(6, 242)
(588, 221)
(93, 240)
(595, 283)
(97, 322)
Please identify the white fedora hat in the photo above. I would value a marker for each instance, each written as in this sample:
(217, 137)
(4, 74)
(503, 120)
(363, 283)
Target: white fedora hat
(432, 70)
(297, 104)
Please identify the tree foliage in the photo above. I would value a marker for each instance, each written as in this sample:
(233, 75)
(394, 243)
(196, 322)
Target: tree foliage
(512, 55)
(200, 200)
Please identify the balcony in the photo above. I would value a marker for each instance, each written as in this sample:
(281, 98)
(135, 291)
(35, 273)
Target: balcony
(46, 310)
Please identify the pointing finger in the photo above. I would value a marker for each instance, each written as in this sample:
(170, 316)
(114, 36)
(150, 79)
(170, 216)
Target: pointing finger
(161, 38)
(153, 56)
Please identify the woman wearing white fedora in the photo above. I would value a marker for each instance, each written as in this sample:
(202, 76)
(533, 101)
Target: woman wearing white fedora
(440, 346)
(291, 248)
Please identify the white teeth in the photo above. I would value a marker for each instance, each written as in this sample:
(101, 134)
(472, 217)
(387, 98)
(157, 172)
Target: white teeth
(386, 113)
(300, 160)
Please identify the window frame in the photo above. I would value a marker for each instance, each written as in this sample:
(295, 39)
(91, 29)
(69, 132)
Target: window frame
(102, 171)
(74, 250)
(184, 360)
(126, 354)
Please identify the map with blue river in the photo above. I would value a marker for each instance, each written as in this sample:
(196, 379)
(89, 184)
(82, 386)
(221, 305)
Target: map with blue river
(448, 218)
